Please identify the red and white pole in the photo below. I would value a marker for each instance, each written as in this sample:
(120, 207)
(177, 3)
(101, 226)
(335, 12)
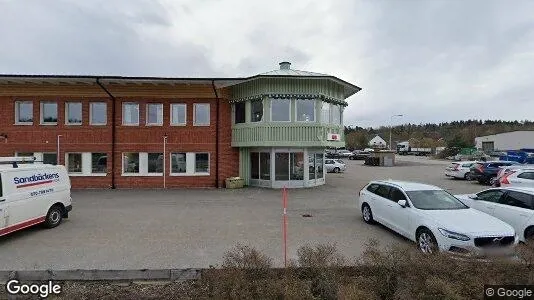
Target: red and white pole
(284, 226)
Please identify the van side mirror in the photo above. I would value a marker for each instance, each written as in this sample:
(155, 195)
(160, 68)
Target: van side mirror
(402, 203)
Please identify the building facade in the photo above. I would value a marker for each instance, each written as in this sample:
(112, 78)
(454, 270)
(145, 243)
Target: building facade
(144, 132)
(514, 140)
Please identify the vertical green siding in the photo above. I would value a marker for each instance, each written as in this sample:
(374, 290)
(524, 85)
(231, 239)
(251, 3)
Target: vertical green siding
(244, 164)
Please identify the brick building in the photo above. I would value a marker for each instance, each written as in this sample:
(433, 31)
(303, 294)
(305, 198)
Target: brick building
(146, 132)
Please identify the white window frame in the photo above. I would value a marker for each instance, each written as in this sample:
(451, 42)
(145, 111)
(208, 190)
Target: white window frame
(17, 113)
(146, 173)
(332, 114)
(297, 111)
(67, 113)
(262, 111)
(91, 164)
(124, 104)
(326, 104)
(271, 110)
(91, 114)
(41, 110)
(143, 166)
(87, 166)
(190, 163)
(161, 115)
(195, 114)
(185, 114)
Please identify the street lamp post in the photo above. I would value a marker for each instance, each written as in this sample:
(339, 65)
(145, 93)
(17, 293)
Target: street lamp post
(391, 128)
(57, 158)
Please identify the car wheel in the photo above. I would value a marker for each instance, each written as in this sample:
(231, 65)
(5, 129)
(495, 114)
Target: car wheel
(336, 170)
(53, 217)
(492, 180)
(529, 235)
(367, 214)
(426, 242)
(467, 176)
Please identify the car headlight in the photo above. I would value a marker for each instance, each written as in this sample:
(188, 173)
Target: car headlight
(454, 235)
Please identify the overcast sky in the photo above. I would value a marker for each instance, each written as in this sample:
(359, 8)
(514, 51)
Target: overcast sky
(430, 60)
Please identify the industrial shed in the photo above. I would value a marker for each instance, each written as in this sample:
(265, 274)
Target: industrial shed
(513, 140)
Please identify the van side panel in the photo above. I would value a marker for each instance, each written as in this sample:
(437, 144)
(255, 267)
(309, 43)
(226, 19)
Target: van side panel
(30, 192)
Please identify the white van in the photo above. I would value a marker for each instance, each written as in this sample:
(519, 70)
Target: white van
(32, 194)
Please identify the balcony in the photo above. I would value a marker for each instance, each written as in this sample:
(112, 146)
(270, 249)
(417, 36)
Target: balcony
(286, 135)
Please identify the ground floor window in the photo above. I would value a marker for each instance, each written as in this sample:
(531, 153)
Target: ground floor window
(260, 165)
(190, 163)
(99, 163)
(297, 166)
(155, 163)
(319, 165)
(40, 157)
(311, 165)
(130, 163)
(281, 166)
(86, 163)
(74, 162)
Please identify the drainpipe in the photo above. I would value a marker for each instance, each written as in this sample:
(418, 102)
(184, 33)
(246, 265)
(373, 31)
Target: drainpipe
(216, 134)
(112, 132)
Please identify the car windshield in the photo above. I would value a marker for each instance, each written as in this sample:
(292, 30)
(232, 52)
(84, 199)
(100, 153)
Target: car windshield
(340, 161)
(434, 200)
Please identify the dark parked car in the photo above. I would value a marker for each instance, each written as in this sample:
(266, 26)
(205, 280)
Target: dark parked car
(358, 154)
(486, 172)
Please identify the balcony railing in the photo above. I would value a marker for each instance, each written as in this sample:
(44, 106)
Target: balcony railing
(290, 134)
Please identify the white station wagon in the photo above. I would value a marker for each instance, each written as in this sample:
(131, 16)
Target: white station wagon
(434, 219)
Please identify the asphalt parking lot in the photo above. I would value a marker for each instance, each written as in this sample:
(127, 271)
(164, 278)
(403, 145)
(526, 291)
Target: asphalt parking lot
(136, 229)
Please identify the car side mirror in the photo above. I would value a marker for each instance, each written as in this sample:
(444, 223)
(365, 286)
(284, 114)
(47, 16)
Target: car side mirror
(473, 196)
(402, 203)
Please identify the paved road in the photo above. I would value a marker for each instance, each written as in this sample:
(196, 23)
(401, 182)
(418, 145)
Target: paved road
(130, 229)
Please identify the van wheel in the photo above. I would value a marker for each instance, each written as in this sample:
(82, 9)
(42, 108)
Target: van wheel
(53, 217)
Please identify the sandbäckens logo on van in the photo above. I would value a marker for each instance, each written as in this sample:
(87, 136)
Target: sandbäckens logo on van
(36, 179)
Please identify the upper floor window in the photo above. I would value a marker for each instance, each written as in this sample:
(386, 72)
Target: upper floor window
(336, 114)
(325, 112)
(256, 111)
(154, 114)
(178, 114)
(73, 113)
(98, 113)
(130, 114)
(306, 110)
(239, 112)
(24, 112)
(201, 116)
(48, 113)
(281, 110)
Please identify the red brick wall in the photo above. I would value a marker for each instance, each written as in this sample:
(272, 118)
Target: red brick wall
(142, 138)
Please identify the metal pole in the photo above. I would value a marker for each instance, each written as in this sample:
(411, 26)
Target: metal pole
(57, 159)
(164, 160)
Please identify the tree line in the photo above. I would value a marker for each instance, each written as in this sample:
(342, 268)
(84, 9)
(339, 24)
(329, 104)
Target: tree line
(447, 134)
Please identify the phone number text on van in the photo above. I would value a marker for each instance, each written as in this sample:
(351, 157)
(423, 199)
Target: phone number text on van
(41, 192)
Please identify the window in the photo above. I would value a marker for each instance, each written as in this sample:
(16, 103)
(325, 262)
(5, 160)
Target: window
(490, 196)
(74, 162)
(202, 163)
(1, 192)
(23, 112)
(518, 199)
(336, 114)
(130, 163)
(49, 113)
(239, 112)
(280, 110)
(178, 114)
(265, 166)
(319, 165)
(296, 168)
(396, 195)
(281, 166)
(154, 114)
(325, 112)
(50, 158)
(311, 166)
(130, 114)
(255, 165)
(73, 113)
(306, 110)
(256, 111)
(98, 113)
(155, 162)
(372, 188)
(435, 200)
(383, 191)
(99, 163)
(526, 175)
(178, 163)
(201, 114)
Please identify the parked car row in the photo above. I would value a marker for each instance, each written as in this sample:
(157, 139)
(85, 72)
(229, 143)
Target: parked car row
(490, 222)
(494, 173)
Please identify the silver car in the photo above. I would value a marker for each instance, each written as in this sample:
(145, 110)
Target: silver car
(334, 165)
